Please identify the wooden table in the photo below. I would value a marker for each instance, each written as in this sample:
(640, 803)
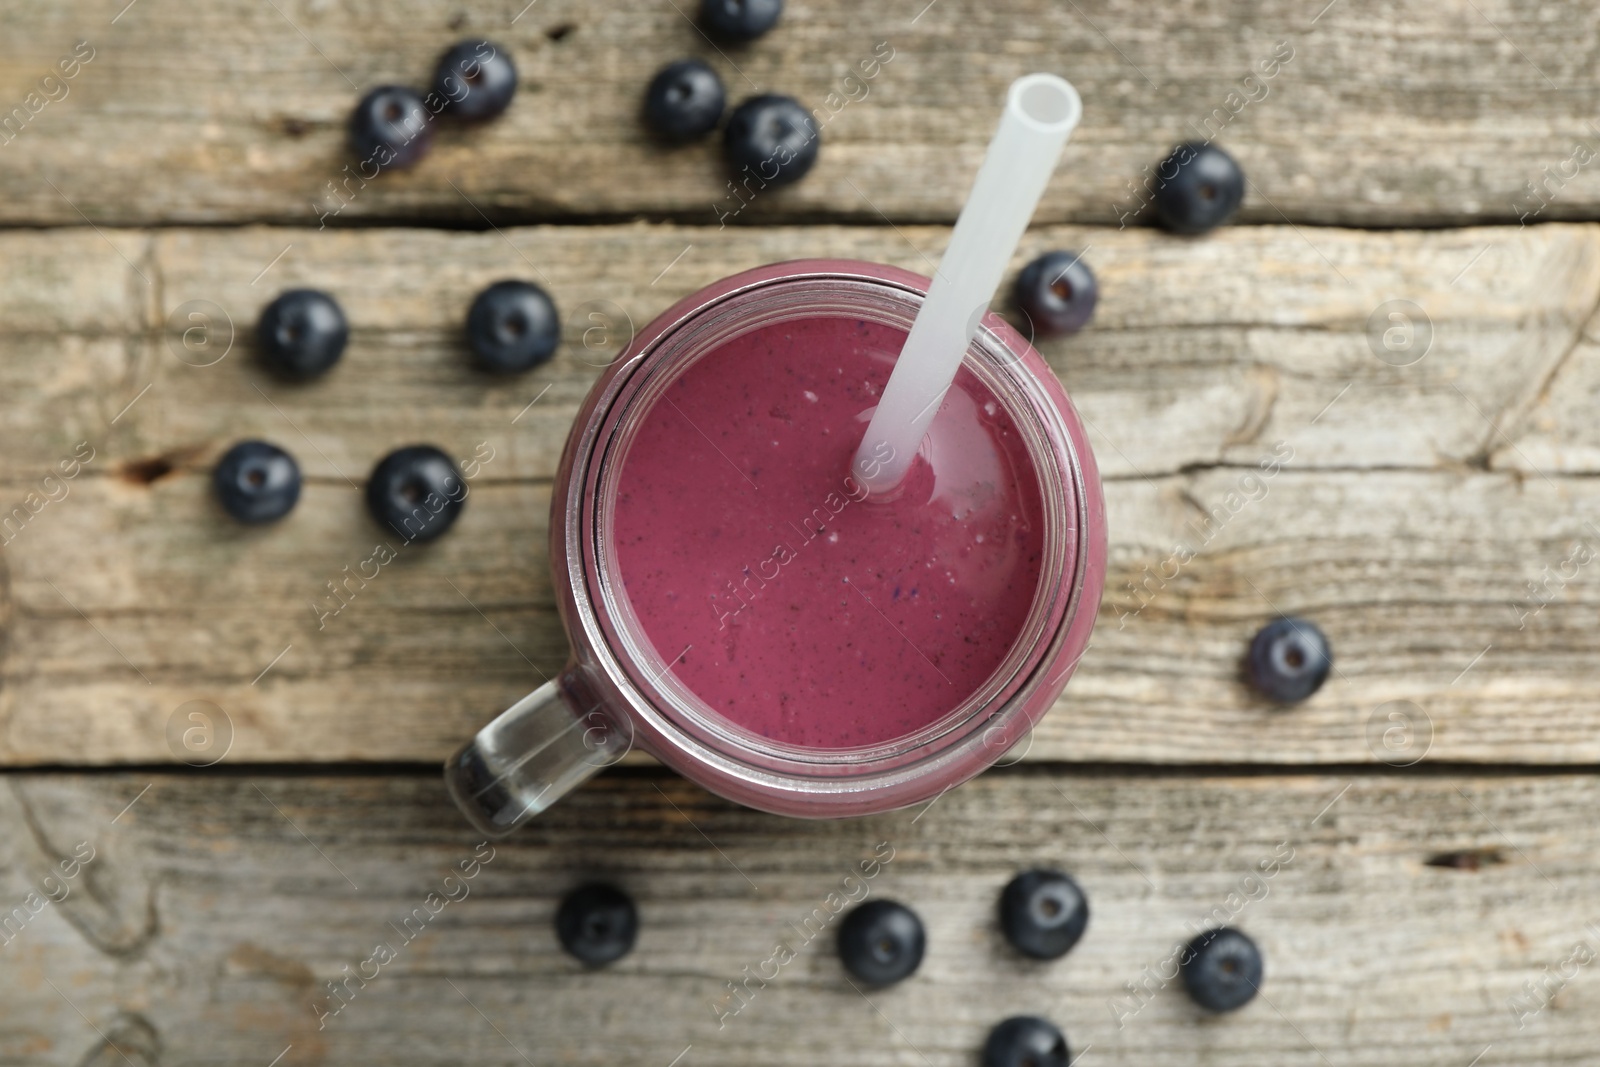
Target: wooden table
(1429, 815)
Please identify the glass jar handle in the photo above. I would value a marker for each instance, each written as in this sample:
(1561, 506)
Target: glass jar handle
(532, 754)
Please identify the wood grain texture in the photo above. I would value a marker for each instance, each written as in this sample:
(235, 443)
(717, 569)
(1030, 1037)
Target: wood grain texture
(1201, 351)
(1399, 917)
(236, 111)
(1439, 581)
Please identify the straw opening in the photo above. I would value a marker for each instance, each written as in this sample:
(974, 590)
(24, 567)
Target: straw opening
(1045, 102)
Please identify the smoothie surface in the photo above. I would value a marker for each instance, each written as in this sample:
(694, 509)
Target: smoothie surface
(812, 614)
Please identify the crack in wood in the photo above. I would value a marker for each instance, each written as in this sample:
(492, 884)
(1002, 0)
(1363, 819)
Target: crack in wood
(1264, 379)
(148, 470)
(1468, 859)
(104, 926)
(1541, 395)
(130, 1041)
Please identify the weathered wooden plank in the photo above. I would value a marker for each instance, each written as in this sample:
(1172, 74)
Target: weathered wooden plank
(403, 666)
(1413, 572)
(1426, 115)
(1444, 589)
(1432, 616)
(1402, 921)
(1556, 433)
(1200, 352)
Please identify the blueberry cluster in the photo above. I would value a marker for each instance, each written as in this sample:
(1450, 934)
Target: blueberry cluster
(416, 491)
(392, 126)
(1043, 914)
(769, 138)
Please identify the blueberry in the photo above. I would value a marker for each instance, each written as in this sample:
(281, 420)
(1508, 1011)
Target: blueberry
(597, 923)
(513, 327)
(1043, 913)
(1026, 1041)
(302, 333)
(1221, 969)
(1201, 187)
(257, 482)
(476, 79)
(772, 138)
(1289, 660)
(416, 492)
(684, 101)
(1058, 292)
(881, 942)
(740, 20)
(391, 127)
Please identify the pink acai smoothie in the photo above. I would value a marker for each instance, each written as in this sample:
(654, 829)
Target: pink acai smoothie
(812, 614)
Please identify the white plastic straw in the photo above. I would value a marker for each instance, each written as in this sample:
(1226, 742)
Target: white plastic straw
(1041, 112)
